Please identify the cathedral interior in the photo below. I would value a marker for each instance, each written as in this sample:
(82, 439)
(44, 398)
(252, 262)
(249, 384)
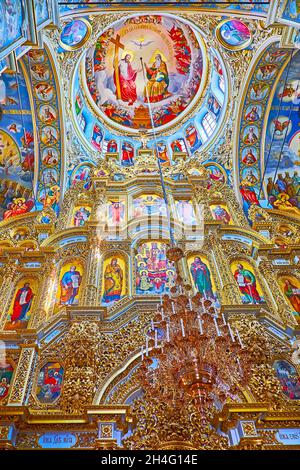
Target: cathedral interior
(149, 225)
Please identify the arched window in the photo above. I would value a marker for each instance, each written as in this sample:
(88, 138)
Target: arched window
(209, 124)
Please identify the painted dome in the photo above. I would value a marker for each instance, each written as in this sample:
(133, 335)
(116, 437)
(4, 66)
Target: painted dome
(145, 70)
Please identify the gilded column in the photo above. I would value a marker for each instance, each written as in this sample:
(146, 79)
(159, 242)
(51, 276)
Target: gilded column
(19, 387)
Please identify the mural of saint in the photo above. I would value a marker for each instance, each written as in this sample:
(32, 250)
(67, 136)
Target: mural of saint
(21, 309)
(49, 382)
(192, 138)
(148, 204)
(113, 281)
(69, 285)
(127, 79)
(81, 215)
(178, 145)
(155, 274)
(220, 213)
(127, 154)
(252, 114)
(289, 379)
(185, 211)
(158, 80)
(247, 283)
(250, 135)
(202, 278)
(6, 373)
(112, 146)
(291, 289)
(162, 152)
(116, 212)
(248, 156)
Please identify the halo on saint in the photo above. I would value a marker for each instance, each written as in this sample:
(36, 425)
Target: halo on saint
(158, 52)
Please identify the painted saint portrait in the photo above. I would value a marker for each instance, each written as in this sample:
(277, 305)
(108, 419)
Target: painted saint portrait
(249, 156)
(233, 34)
(75, 33)
(80, 174)
(81, 215)
(22, 305)
(290, 287)
(114, 280)
(288, 378)
(112, 146)
(47, 113)
(49, 382)
(6, 373)
(69, 284)
(250, 135)
(162, 153)
(50, 156)
(220, 213)
(133, 64)
(249, 287)
(253, 113)
(44, 91)
(155, 274)
(49, 135)
(178, 146)
(201, 276)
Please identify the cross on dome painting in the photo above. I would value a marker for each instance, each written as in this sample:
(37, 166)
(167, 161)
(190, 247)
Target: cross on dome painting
(145, 61)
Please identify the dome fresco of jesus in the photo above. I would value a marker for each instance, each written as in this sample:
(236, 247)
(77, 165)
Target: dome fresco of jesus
(145, 62)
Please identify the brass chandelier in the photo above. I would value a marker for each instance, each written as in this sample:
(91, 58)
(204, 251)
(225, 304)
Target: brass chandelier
(192, 354)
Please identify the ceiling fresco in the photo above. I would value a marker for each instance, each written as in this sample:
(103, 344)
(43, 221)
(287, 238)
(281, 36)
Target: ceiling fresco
(146, 59)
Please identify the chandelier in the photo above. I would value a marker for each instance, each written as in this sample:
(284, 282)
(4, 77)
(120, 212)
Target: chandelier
(192, 354)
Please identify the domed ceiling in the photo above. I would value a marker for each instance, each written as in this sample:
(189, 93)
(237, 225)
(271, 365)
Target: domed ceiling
(149, 72)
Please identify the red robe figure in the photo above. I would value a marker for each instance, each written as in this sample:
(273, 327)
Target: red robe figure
(127, 78)
(22, 303)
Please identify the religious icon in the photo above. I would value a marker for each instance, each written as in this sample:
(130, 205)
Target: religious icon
(40, 71)
(116, 213)
(127, 158)
(259, 91)
(69, 284)
(97, 137)
(50, 156)
(49, 177)
(6, 373)
(112, 146)
(47, 114)
(192, 138)
(250, 135)
(148, 204)
(18, 206)
(220, 213)
(233, 34)
(44, 91)
(185, 211)
(49, 197)
(81, 173)
(201, 276)
(162, 152)
(253, 113)
(21, 308)
(81, 215)
(74, 34)
(49, 382)
(178, 145)
(113, 280)
(125, 80)
(131, 64)
(49, 135)
(155, 274)
(249, 288)
(249, 156)
(289, 379)
(213, 105)
(158, 80)
(290, 286)
(266, 72)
